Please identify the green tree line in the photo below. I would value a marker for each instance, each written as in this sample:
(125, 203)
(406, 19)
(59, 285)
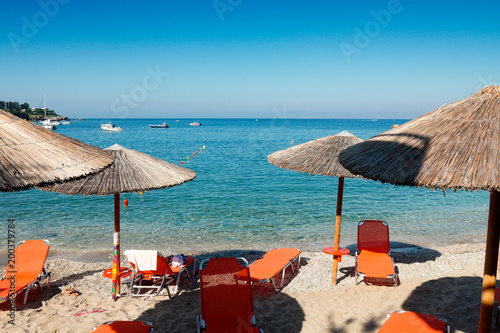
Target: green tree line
(15, 108)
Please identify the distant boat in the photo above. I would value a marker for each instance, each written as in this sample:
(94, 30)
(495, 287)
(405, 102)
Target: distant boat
(164, 125)
(50, 122)
(48, 126)
(195, 124)
(111, 128)
(65, 122)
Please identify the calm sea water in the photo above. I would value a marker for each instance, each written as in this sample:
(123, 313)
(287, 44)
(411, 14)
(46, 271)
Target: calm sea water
(238, 199)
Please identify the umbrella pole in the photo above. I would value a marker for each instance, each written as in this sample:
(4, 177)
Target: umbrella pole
(116, 249)
(490, 264)
(338, 218)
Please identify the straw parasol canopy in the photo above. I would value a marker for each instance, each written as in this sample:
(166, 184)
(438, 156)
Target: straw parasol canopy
(316, 157)
(31, 155)
(454, 147)
(320, 157)
(132, 171)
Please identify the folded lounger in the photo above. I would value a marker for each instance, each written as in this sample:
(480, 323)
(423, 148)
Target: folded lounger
(28, 261)
(412, 322)
(226, 299)
(152, 268)
(373, 259)
(273, 262)
(124, 327)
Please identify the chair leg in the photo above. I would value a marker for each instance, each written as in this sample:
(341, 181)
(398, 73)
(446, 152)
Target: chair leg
(26, 294)
(274, 286)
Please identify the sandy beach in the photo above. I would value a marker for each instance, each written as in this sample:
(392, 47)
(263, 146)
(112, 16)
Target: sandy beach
(443, 281)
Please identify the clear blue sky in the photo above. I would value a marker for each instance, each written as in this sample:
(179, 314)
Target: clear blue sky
(242, 58)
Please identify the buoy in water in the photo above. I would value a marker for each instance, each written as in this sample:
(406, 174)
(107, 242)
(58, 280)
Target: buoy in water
(125, 203)
(188, 157)
(203, 147)
(196, 152)
(141, 192)
(181, 162)
(193, 155)
(292, 142)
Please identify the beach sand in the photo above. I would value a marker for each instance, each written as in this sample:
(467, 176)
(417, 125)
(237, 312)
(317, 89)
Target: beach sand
(444, 281)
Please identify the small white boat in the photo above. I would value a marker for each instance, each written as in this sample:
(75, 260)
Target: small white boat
(47, 126)
(65, 123)
(164, 125)
(195, 124)
(50, 122)
(111, 128)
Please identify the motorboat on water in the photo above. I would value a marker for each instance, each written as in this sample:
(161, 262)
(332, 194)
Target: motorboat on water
(164, 125)
(48, 126)
(50, 122)
(65, 122)
(195, 123)
(111, 128)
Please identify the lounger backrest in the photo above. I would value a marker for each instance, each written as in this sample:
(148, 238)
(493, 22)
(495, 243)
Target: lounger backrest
(30, 258)
(162, 267)
(226, 299)
(373, 236)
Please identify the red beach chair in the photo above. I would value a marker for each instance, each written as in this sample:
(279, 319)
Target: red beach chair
(124, 327)
(273, 262)
(373, 258)
(412, 322)
(156, 274)
(226, 299)
(28, 263)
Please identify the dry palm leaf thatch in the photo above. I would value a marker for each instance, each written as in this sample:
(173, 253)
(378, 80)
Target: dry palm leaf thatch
(317, 157)
(31, 155)
(132, 171)
(454, 147)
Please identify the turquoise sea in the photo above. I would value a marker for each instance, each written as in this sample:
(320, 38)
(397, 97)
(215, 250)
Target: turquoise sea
(238, 199)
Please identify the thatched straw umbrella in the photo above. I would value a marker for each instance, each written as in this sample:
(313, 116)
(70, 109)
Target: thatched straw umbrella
(132, 171)
(31, 155)
(320, 157)
(454, 147)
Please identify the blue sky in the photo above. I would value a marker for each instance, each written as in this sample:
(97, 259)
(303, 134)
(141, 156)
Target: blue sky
(247, 59)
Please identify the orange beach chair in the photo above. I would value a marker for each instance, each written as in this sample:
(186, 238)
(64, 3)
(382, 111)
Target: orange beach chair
(226, 299)
(156, 274)
(273, 262)
(124, 327)
(413, 322)
(373, 255)
(25, 268)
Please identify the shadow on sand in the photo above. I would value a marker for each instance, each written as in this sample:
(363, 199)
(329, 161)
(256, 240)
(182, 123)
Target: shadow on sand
(36, 297)
(406, 253)
(457, 299)
(179, 314)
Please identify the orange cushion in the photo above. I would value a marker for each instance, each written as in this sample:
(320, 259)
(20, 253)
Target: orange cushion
(412, 322)
(124, 327)
(272, 263)
(374, 264)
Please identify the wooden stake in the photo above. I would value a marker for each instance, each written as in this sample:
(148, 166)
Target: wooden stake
(116, 249)
(338, 218)
(490, 264)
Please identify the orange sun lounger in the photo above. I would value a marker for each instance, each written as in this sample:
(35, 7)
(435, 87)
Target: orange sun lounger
(124, 327)
(226, 299)
(413, 322)
(156, 272)
(373, 255)
(273, 262)
(25, 268)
